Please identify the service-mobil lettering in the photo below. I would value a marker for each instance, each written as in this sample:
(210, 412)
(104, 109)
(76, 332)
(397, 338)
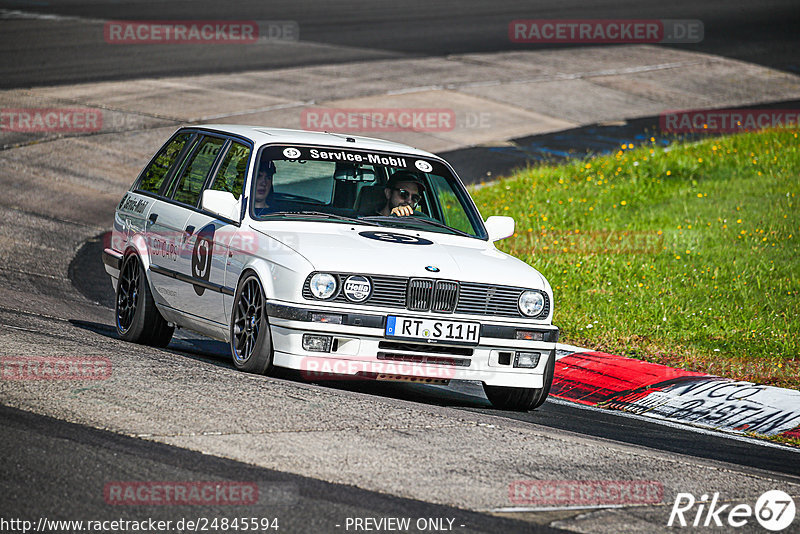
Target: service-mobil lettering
(374, 159)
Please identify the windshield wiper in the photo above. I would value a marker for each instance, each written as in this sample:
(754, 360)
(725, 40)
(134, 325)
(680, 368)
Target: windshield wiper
(432, 222)
(326, 215)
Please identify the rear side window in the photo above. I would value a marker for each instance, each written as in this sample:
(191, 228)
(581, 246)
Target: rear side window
(190, 183)
(155, 173)
(233, 170)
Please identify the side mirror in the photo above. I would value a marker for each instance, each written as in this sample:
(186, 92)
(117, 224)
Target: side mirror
(221, 203)
(499, 227)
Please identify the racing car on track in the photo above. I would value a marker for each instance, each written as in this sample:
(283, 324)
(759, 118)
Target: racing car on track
(331, 254)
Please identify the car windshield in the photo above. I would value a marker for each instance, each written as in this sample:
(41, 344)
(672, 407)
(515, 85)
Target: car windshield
(346, 186)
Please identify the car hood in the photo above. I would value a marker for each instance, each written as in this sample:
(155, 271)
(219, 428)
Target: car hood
(377, 250)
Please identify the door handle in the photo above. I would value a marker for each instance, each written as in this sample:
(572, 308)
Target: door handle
(152, 218)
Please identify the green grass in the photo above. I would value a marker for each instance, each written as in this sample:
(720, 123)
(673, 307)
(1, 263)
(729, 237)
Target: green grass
(687, 255)
(790, 441)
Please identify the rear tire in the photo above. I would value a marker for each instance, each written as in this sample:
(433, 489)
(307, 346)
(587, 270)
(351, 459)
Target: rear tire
(251, 339)
(522, 399)
(137, 318)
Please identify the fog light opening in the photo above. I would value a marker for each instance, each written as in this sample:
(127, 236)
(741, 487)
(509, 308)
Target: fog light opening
(526, 360)
(317, 343)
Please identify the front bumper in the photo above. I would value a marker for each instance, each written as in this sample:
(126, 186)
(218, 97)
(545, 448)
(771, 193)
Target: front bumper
(360, 349)
(112, 261)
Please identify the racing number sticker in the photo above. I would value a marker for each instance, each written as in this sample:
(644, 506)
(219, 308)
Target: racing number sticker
(291, 153)
(423, 165)
(202, 255)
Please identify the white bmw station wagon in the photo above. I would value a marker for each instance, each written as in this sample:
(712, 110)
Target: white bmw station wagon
(336, 255)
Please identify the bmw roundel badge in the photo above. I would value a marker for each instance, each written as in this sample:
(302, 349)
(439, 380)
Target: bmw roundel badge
(432, 269)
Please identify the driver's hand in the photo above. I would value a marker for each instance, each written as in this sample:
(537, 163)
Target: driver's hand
(402, 211)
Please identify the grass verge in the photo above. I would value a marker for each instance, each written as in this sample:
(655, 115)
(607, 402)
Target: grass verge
(686, 255)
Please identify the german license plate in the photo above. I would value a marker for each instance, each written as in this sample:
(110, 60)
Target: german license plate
(432, 330)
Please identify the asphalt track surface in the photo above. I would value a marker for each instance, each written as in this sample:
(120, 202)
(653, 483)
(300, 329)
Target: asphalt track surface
(72, 50)
(55, 468)
(75, 483)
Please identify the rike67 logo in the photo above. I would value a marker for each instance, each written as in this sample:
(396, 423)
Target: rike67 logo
(774, 510)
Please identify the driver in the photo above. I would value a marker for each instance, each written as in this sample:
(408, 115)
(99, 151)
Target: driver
(403, 192)
(263, 201)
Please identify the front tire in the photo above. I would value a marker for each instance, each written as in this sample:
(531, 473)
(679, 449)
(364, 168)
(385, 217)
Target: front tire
(522, 399)
(251, 340)
(137, 318)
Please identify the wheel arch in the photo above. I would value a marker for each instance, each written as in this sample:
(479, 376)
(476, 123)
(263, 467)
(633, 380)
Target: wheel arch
(261, 269)
(138, 245)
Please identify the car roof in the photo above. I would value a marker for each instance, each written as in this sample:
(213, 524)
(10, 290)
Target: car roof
(261, 135)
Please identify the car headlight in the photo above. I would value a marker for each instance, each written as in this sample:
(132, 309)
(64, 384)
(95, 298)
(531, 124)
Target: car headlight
(531, 303)
(323, 285)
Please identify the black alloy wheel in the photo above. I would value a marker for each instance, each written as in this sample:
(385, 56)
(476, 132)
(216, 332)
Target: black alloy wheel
(251, 340)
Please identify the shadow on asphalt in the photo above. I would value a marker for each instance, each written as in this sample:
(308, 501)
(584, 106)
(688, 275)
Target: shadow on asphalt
(45, 474)
(486, 163)
(196, 347)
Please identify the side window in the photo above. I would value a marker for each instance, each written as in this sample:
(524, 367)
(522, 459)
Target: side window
(451, 207)
(154, 175)
(189, 184)
(233, 170)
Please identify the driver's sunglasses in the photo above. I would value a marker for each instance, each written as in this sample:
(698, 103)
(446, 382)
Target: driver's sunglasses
(405, 194)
